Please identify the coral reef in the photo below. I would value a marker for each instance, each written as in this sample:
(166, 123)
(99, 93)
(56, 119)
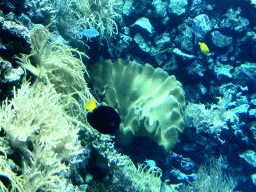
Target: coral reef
(219, 117)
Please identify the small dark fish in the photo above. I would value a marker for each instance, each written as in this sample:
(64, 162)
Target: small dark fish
(90, 33)
(103, 118)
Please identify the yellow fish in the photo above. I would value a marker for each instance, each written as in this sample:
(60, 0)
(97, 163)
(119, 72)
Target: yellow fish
(90, 105)
(204, 48)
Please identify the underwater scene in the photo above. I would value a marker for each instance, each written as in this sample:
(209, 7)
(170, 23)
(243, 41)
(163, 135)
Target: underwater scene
(128, 95)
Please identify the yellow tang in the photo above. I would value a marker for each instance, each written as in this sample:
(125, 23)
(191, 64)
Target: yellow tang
(90, 105)
(204, 48)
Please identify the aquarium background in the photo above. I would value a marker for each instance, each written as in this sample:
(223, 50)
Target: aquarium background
(181, 74)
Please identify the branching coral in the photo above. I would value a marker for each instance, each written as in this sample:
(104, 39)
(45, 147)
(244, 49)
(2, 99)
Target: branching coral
(105, 147)
(211, 120)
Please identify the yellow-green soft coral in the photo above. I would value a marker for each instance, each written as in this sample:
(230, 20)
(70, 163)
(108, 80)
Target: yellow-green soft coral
(99, 15)
(41, 121)
(37, 128)
(60, 65)
(148, 100)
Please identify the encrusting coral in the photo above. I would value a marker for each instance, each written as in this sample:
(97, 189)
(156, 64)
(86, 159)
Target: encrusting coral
(148, 100)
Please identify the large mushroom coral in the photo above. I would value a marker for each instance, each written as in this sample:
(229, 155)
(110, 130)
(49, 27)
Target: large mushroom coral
(148, 100)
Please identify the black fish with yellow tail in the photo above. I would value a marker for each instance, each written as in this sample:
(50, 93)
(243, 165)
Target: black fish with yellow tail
(103, 118)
